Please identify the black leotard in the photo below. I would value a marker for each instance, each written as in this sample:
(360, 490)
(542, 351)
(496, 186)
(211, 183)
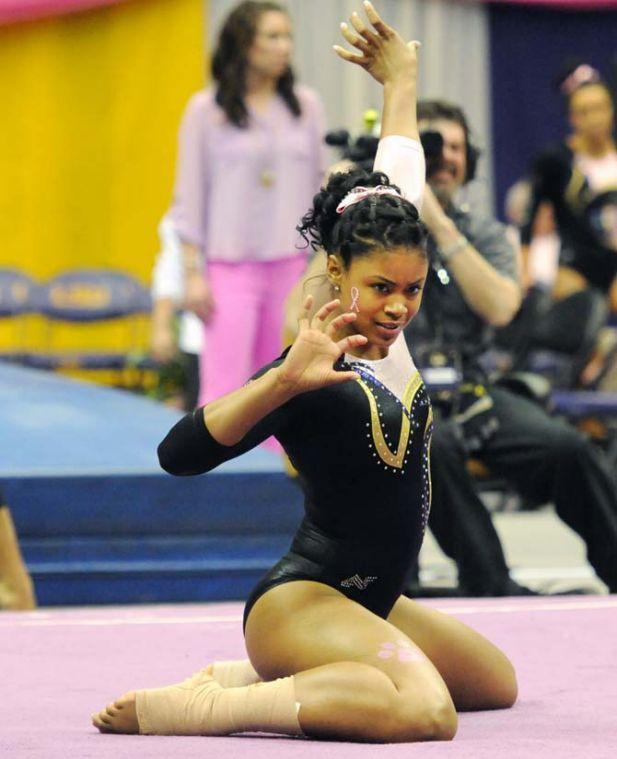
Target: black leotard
(363, 456)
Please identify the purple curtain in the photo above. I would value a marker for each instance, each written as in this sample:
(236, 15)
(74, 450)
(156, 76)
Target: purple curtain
(529, 47)
(12, 11)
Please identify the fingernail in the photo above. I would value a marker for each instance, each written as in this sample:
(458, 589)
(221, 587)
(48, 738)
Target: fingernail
(343, 25)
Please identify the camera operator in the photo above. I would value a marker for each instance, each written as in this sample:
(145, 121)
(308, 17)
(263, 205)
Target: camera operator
(473, 287)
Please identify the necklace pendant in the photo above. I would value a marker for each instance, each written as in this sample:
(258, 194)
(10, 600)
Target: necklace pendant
(266, 178)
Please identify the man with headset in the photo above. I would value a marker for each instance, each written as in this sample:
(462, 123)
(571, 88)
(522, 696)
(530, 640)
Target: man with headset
(472, 288)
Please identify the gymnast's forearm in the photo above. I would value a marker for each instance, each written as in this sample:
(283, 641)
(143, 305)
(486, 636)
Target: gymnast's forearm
(224, 429)
(231, 417)
(399, 108)
(400, 155)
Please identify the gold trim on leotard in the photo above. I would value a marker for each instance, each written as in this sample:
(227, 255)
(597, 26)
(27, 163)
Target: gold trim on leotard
(382, 448)
(429, 421)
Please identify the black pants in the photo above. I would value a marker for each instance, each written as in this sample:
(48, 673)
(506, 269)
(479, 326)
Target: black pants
(546, 460)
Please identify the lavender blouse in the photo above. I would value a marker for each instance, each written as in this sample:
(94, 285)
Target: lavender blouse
(240, 193)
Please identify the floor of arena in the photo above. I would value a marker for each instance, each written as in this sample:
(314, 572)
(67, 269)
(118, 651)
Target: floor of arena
(59, 665)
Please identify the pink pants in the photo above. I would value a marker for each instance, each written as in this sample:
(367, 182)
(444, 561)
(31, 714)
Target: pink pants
(245, 330)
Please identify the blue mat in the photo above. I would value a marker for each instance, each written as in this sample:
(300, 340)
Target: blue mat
(100, 522)
(54, 426)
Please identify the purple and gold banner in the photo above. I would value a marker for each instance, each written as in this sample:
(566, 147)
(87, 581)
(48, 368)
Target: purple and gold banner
(12, 11)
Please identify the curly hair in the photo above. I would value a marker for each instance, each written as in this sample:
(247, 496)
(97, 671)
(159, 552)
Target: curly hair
(381, 221)
(229, 62)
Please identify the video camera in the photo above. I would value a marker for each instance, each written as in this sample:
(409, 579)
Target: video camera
(362, 149)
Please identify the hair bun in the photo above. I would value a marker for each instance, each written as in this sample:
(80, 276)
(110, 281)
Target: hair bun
(382, 219)
(317, 225)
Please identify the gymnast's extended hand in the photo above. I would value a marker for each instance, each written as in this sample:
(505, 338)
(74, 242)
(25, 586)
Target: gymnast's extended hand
(383, 52)
(309, 363)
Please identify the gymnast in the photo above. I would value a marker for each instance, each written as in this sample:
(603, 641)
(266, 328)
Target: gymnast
(335, 651)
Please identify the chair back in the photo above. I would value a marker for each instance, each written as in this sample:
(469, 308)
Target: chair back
(88, 295)
(18, 293)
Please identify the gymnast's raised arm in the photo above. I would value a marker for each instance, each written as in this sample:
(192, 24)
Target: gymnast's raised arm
(390, 61)
(394, 64)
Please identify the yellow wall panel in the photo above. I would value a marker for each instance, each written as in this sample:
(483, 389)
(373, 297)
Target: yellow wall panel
(91, 108)
(92, 103)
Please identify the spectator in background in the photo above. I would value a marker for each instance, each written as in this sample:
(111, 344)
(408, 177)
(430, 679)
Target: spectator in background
(170, 340)
(539, 268)
(250, 160)
(574, 199)
(473, 287)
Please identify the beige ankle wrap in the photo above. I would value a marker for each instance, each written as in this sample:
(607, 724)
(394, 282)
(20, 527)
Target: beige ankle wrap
(200, 706)
(233, 674)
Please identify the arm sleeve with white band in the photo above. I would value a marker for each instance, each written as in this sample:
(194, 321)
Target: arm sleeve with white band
(402, 160)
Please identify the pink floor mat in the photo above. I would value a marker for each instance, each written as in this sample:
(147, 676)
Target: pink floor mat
(59, 665)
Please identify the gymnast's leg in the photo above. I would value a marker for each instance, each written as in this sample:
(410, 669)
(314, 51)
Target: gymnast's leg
(344, 672)
(477, 673)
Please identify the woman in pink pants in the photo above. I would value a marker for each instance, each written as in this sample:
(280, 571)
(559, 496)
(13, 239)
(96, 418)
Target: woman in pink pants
(251, 158)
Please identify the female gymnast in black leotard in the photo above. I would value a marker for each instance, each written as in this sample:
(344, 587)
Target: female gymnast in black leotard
(334, 650)
(574, 186)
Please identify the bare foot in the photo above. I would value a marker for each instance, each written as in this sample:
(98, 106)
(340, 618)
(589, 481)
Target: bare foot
(118, 717)
(121, 715)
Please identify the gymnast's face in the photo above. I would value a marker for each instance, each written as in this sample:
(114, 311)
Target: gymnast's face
(386, 288)
(270, 53)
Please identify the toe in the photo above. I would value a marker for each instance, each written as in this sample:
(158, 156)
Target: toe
(98, 722)
(120, 716)
(126, 699)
